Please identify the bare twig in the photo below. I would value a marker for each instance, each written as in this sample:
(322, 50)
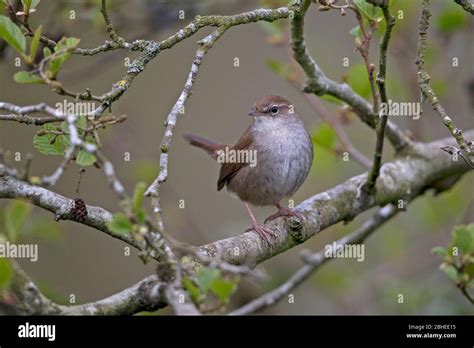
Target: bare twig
(364, 49)
(466, 147)
(108, 25)
(171, 120)
(374, 173)
(37, 121)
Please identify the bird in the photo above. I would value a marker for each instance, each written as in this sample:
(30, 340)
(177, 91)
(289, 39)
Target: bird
(268, 163)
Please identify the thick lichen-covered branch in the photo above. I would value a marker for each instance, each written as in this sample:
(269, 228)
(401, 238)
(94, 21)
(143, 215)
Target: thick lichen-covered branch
(142, 296)
(315, 260)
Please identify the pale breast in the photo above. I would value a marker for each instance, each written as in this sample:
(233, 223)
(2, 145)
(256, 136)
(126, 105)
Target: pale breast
(284, 157)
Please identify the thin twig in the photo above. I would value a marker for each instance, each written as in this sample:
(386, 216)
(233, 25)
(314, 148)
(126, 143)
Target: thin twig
(369, 187)
(178, 108)
(109, 26)
(465, 146)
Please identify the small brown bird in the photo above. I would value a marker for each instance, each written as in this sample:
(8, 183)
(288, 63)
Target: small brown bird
(269, 162)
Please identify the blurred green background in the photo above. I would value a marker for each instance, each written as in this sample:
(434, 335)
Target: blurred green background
(75, 259)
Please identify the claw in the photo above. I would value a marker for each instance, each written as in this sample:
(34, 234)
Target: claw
(262, 231)
(282, 211)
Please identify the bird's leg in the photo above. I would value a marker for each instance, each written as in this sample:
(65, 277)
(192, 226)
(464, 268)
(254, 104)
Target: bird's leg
(261, 230)
(282, 211)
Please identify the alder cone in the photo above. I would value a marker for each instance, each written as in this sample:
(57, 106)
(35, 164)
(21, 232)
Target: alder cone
(79, 210)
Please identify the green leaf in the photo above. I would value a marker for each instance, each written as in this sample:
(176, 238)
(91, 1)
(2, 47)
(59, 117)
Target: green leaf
(84, 158)
(451, 19)
(29, 4)
(356, 31)
(15, 216)
(324, 136)
(65, 45)
(205, 277)
(358, 79)
(34, 3)
(450, 271)
(81, 122)
(373, 13)
(192, 289)
(45, 144)
(138, 195)
(141, 215)
(6, 273)
(462, 239)
(439, 251)
(470, 228)
(46, 52)
(27, 77)
(10, 32)
(223, 289)
(120, 224)
(35, 42)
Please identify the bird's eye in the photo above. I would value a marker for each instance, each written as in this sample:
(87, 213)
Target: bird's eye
(274, 109)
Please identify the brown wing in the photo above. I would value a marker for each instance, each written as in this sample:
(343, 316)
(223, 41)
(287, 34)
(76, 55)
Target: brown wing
(229, 170)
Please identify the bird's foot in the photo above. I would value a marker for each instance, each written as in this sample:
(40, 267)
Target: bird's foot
(262, 231)
(285, 212)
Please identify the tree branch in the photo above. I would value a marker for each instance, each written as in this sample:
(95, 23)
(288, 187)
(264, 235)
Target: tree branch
(466, 5)
(143, 296)
(315, 260)
(369, 187)
(317, 82)
(466, 147)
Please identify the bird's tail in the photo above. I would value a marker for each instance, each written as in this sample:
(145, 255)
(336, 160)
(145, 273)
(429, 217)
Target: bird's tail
(209, 146)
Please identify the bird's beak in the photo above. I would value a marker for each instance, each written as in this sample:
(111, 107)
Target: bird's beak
(252, 113)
